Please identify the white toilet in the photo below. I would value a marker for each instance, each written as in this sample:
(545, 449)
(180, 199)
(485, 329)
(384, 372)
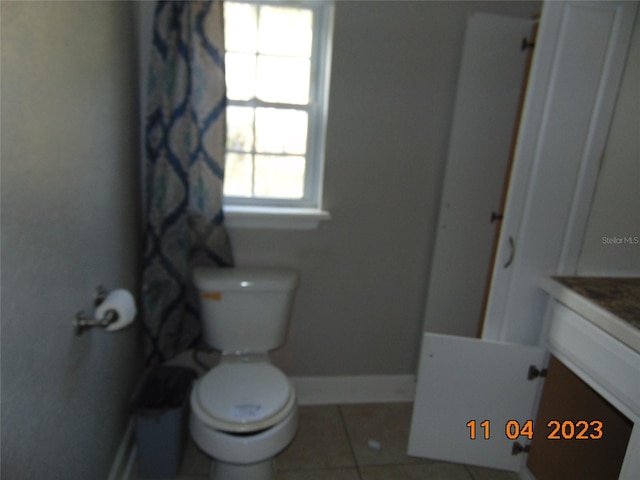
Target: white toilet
(244, 410)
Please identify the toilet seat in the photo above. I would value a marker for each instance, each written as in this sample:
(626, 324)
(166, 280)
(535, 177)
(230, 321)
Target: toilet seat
(242, 397)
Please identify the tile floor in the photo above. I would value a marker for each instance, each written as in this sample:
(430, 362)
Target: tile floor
(333, 443)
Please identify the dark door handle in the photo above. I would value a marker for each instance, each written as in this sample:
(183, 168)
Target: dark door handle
(513, 252)
(496, 216)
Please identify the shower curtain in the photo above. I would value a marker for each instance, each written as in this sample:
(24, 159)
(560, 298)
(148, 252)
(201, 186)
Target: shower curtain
(184, 168)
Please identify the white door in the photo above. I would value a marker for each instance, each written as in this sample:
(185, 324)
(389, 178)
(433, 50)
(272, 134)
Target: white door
(484, 118)
(473, 388)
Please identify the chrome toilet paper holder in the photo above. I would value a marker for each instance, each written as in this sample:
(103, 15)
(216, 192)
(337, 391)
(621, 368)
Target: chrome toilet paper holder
(84, 322)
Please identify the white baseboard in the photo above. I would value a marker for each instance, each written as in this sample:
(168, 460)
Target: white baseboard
(354, 389)
(122, 467)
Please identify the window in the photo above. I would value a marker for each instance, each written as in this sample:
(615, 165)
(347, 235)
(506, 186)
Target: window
(277, 71)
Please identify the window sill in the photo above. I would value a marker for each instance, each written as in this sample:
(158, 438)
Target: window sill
(274, 217)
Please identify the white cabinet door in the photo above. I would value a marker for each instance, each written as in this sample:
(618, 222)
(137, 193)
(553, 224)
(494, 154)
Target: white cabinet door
(462, 380)
(484, 119)
(578, 61)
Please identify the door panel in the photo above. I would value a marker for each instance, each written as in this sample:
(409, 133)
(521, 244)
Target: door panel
(484, 118)
(464, 379)
(577, 65)
(567, 449)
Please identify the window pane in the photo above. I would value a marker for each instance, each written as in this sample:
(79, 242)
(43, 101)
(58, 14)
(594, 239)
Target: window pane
(285, 31)
(240, 128)
(240, 76)
(279, 177)
(281, 131)
(240, 27)
(283, 80)
(238, 175)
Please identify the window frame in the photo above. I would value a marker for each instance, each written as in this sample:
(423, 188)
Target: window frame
(317, 110)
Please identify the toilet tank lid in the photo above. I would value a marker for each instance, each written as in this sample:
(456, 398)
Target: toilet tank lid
(236, 279)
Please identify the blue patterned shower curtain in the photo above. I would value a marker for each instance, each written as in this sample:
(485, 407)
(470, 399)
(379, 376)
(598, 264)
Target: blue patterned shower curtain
(185, 142)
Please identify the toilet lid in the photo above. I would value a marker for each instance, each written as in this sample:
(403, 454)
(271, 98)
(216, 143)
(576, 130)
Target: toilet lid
(242, 397)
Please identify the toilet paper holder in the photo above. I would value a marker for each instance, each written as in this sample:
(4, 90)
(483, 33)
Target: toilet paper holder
(83, 322)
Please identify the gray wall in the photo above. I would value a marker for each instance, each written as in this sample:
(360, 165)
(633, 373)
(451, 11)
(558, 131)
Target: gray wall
(360, 306)
(69, 223)
(615, 211)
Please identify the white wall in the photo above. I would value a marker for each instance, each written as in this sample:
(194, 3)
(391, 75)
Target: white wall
(69, 223)
(615, 212)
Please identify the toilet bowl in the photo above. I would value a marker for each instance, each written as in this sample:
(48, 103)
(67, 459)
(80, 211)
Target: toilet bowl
(244, 410)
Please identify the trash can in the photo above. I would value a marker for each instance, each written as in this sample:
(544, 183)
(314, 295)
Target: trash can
(161, 407)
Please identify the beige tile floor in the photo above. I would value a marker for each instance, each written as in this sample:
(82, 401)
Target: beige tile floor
(333, 443)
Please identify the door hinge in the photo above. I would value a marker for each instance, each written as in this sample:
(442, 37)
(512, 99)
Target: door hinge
(534, 372)
(518, 448)
(527, 44)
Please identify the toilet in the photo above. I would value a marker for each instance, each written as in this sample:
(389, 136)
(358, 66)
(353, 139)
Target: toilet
(244, 410)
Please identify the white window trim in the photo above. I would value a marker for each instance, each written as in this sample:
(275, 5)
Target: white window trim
(307, 212)
(279, 218)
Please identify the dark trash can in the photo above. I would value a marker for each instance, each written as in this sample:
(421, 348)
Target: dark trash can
(161, 407)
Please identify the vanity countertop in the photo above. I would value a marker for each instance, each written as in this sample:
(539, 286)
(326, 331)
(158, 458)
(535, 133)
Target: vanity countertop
(613, 304)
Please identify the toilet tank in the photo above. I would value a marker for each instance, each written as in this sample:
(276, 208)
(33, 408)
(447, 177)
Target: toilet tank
(245, 310)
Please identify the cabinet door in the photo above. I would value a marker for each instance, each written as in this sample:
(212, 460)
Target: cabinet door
(462, 380)
(578, 433)
(484, 119)
(578, 61)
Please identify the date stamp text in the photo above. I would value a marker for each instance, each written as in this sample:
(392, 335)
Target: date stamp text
(556, 429)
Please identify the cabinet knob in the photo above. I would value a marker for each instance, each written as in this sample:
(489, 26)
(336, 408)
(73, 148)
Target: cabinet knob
(518, 448)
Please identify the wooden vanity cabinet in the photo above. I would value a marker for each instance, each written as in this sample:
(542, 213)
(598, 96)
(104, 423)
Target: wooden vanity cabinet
(565, 448)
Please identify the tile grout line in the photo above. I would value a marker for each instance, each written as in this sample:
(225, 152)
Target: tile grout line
(346, 431)
(471, 475)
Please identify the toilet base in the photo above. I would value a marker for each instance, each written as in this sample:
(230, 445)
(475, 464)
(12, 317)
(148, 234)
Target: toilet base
(232, 471)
